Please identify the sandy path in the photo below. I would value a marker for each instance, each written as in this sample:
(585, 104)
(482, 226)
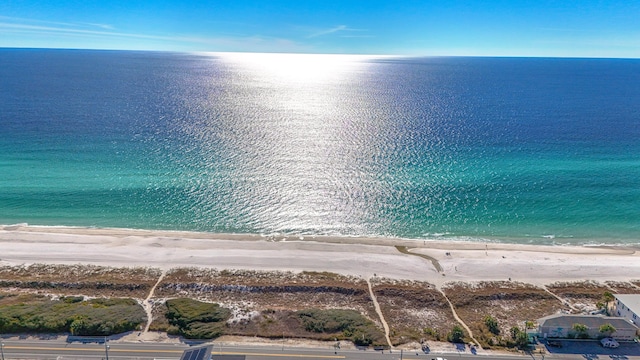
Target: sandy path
(148, 306)
(462, 323)
(385, 326)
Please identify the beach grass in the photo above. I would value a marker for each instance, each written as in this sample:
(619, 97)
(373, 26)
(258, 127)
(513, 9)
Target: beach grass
(29, 313)
(414, 310)
(80, 279)
(510, 304)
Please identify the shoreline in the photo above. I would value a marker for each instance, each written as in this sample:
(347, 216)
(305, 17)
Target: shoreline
(353, 256)
(372, 239)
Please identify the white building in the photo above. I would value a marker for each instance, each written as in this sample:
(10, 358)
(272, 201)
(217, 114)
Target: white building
(561, 326)
(628, 307)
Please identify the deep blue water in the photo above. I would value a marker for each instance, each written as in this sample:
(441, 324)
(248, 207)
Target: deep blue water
(509, 149)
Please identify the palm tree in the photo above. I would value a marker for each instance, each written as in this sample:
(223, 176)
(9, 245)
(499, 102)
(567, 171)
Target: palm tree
(607, 297)
(581, 331)
(607, 329)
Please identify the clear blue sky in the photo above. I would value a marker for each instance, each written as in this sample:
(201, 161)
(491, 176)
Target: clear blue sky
(582, 28)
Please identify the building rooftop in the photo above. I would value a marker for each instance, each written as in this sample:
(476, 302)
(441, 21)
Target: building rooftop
(632, 301)
(591, 321)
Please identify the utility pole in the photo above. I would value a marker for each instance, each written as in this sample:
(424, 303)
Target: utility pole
(2, 350)
(106, 348)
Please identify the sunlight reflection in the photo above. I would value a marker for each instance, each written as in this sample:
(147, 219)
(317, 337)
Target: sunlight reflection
(306, 128)
(302, 136)
(299, 68)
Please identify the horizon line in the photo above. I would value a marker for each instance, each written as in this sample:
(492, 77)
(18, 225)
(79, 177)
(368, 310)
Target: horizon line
(323, 53)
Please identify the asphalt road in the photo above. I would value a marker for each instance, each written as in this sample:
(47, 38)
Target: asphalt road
(61, 350)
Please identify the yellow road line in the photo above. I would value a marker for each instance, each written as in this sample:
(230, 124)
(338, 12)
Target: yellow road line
(111, 350)
(88, 349)
(281, 355)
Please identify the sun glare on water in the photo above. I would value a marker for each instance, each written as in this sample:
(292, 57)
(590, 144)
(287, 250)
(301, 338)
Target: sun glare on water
(305, 119)
(299, 68)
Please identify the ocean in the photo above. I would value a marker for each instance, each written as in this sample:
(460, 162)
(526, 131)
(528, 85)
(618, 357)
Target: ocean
(519, 150)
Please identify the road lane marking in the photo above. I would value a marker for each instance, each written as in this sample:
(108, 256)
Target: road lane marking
(83, 349)
(281, 355)
(112, 350)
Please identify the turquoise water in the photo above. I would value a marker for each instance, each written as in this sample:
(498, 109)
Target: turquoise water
(506, 149)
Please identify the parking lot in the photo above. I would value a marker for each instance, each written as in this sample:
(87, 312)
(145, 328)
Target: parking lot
(591, 349)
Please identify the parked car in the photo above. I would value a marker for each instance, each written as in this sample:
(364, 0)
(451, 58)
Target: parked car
(609, 343)
(554, 343)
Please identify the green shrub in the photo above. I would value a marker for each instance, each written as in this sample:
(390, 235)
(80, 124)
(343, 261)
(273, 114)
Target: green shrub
(72, 299)
(431, 333)
(456, 335)
(90, 318)
(194, 319)
(492, 324)
(331, 321)
(203, 330)
(173, 330)
(342, 324)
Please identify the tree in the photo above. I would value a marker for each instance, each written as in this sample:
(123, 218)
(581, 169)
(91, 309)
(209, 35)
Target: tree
(519, 337)
(529, 324)
(492, 324)
(581, 331)
(607, 329)
(514, 332)
(522, 340)
(456, 335)
(607, 297)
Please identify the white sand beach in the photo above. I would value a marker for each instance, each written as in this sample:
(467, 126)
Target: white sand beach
(459, 261)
